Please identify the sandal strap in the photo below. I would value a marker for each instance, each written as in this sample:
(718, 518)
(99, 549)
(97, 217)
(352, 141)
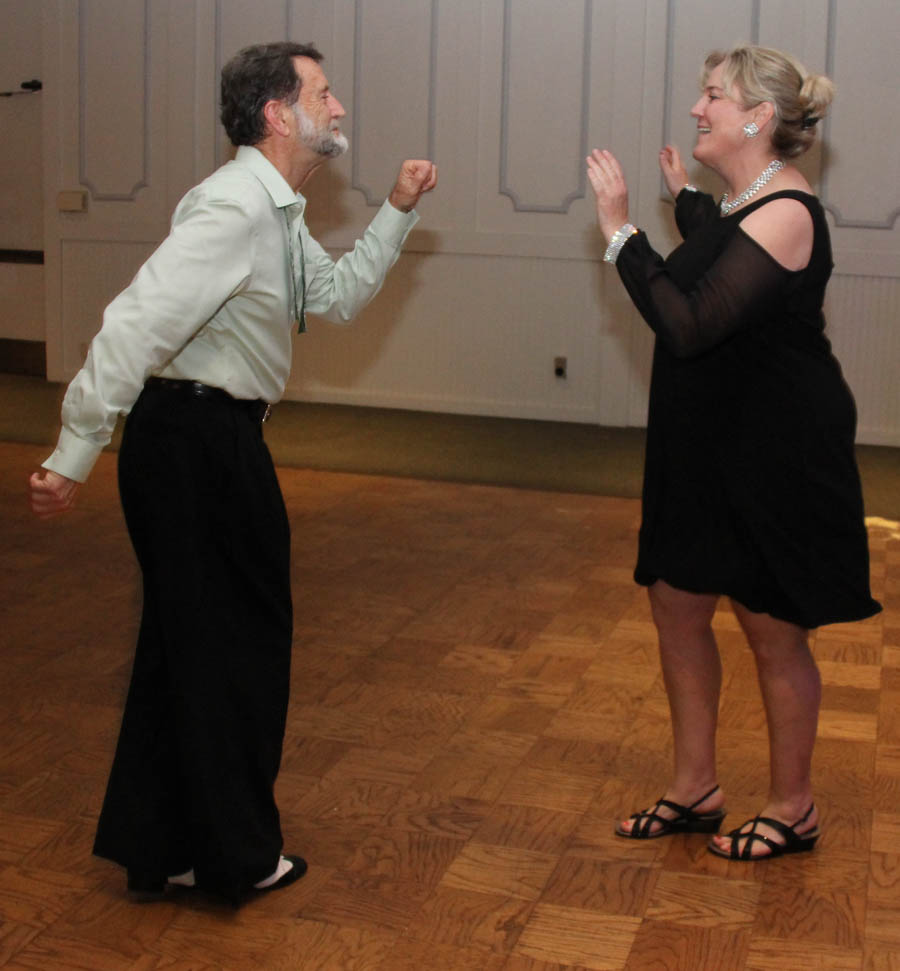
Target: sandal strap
(788, 833)
(645, 819)
(686, 812)
(775, 849)
(704, 797)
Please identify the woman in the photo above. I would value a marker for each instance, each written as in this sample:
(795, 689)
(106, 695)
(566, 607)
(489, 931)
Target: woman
(751, 489)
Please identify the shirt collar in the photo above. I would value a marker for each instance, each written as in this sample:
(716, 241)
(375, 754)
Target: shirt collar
(273, 181)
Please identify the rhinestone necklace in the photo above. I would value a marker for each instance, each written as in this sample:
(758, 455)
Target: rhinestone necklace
(725, 207)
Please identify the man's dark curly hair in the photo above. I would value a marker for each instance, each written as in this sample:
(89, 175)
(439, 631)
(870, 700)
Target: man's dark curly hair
(255, 75)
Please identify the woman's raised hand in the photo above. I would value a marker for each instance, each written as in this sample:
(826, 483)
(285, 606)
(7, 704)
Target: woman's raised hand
(673, 169)
(608, 182)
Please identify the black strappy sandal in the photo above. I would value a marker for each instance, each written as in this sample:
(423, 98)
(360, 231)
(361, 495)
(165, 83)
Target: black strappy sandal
(685, 821)
(794, 842)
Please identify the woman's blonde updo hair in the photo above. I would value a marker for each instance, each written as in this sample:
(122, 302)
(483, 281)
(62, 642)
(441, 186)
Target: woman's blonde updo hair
(752, 75)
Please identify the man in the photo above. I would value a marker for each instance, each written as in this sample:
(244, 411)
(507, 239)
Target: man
(194, 351)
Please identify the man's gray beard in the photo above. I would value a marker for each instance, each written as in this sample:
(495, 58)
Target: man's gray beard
(323, 142)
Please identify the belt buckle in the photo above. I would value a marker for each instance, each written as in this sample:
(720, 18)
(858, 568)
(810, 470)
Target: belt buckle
(267, 412)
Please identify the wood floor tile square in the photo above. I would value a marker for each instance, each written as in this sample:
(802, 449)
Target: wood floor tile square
(378, 766)
(55, 794)
(569, 936)
(366, 900)
(831, 867)
(550, 789)
(886, 832)
(572, 755)
(87, 926)
(596, 837)
(501, 870)
(527, 828)
(852, 726)
(71, 848)
(777, 954)
(562, 645)
(521, 962)
(823, 917)
(543, 692)
(19, 835)
(30, 895)
(14, 938)
(880, 958)
(704, 901)
(886, 791)
(599, 699)
(539, 664)
(316, 946)
(508, 714)
(463, 918)
(849, 675)
(489, 663)
(844, 770)
(455, 816)
(612, 887)
(585, 725)
(584, 626)
(409, 954)
(847, 652)
(311, 756)
(884, 885)
(661, 946)
(882, 926)
(348, 800)
(401, 855)
(323, 844)
(889, 717)
(857, 700)
(471, 776)
(501, 745)
(352, 727)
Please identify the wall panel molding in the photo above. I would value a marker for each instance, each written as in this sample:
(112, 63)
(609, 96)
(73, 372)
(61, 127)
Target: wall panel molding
(91, 129)
(506, 189)
(358, 123)
(889, 220)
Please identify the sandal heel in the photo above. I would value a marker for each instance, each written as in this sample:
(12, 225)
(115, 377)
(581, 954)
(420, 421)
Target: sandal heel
(711, 825)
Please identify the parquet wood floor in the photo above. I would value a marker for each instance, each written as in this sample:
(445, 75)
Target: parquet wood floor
(476, 698)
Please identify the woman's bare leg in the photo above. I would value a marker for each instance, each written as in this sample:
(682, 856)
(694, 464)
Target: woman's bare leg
(791, 692)
(692, 672)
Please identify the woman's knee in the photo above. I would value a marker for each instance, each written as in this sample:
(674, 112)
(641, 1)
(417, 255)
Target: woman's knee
(680, 610)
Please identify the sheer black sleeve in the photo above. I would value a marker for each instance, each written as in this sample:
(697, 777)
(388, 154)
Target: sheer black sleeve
(743, 279)
(693, 210)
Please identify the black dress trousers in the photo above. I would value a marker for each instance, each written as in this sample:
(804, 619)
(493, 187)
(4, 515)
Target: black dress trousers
(192, 781)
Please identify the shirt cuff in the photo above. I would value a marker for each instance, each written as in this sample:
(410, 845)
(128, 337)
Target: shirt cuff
(73, 457)
(392, 225)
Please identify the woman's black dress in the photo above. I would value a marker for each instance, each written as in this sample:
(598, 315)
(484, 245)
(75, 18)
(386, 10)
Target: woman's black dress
(750, 486)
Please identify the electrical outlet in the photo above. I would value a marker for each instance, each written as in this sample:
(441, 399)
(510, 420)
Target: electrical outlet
(560, 367)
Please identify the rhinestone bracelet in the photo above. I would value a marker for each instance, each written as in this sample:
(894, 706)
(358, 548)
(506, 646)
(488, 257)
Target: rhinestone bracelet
(618, 240)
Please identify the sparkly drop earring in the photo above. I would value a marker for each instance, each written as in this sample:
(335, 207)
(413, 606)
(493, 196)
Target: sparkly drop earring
(751, 129)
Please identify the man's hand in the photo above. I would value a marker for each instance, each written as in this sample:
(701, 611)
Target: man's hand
(417, 176)
(51, 493)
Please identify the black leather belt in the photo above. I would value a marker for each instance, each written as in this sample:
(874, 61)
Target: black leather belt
(256, 408)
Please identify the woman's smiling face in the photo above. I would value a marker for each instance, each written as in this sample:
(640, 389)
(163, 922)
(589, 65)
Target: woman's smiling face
(720, 121)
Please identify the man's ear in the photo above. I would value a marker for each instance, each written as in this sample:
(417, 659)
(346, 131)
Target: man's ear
(275, 114)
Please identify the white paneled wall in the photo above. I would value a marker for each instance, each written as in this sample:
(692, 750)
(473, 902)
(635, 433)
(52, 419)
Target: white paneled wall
(502, 274)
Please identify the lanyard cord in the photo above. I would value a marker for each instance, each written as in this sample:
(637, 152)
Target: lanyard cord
(299, 312)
